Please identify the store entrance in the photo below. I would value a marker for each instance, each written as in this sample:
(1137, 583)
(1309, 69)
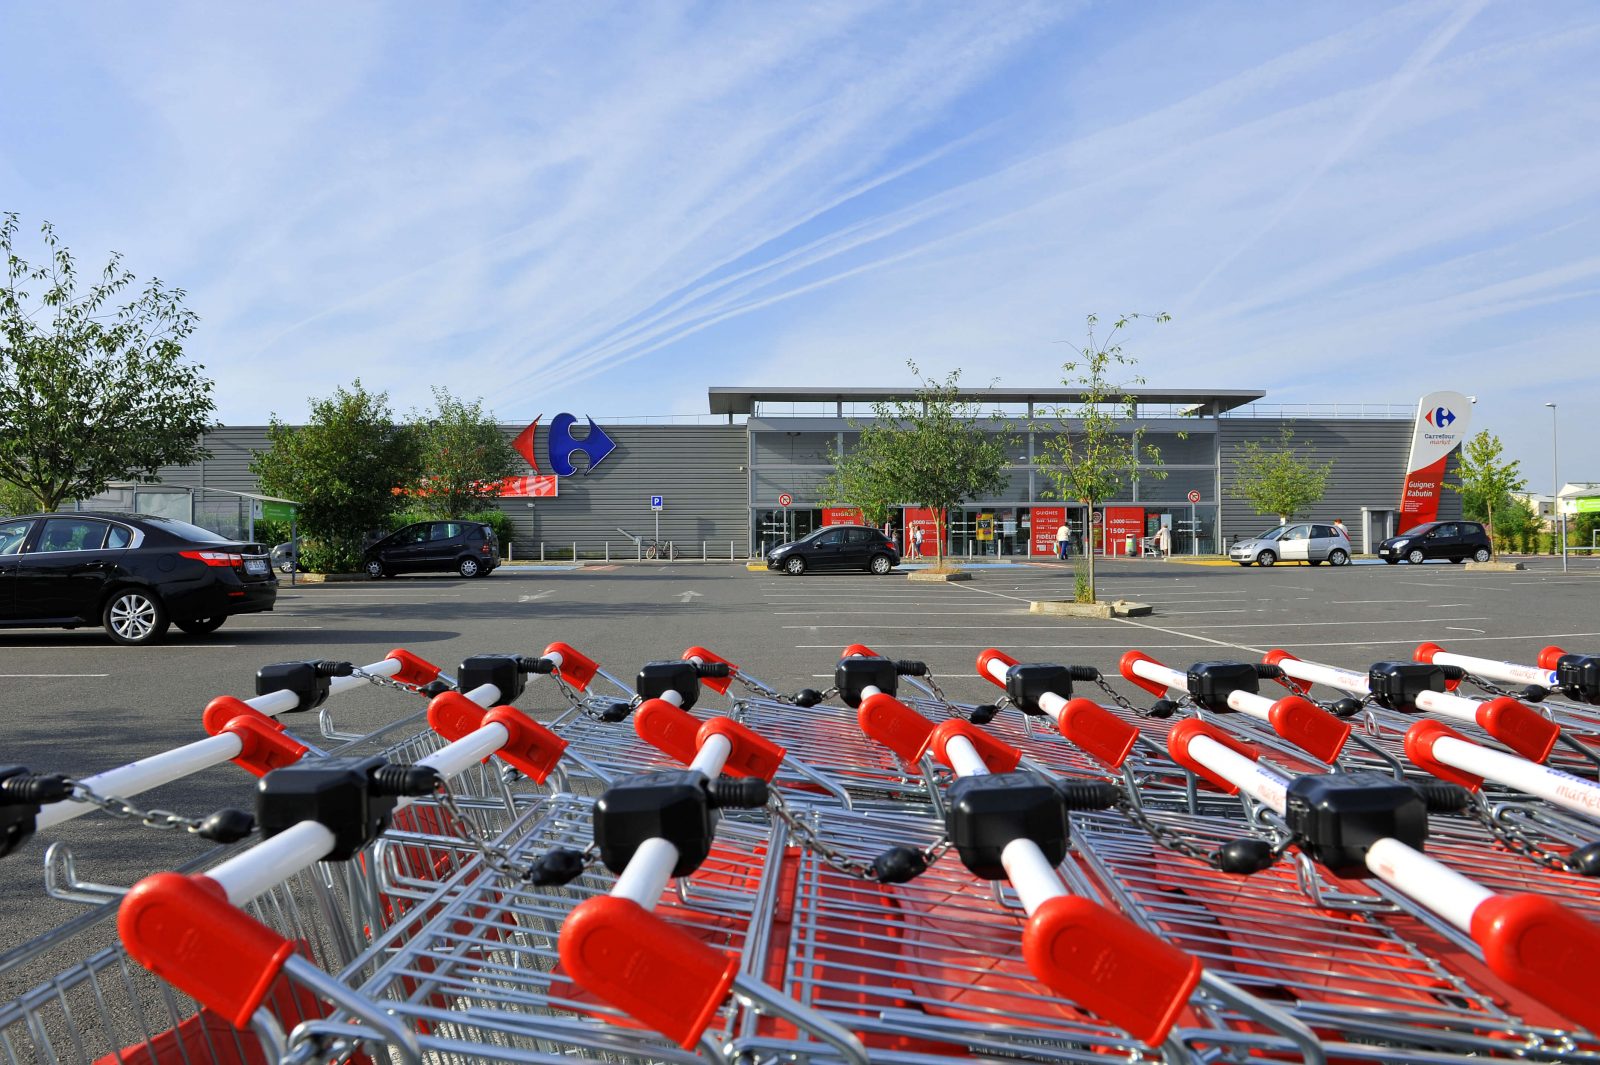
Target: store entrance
(774, 527)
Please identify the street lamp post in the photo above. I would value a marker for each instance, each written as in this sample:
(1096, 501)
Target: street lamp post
(1556, 513)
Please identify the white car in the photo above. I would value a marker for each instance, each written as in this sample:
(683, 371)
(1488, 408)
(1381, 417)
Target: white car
(1303, 542)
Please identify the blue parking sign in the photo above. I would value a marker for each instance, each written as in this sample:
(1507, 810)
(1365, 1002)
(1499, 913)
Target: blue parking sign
(656, 503)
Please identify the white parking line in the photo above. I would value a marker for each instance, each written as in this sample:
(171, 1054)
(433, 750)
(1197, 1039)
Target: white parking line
(920, 613)
(19, 675)
(1323, 624)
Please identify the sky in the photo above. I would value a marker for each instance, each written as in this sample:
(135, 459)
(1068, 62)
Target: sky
(604, 209)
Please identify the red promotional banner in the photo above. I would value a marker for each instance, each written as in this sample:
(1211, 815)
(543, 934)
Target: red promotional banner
(538, 486)
(926, 520)
(1121, 523)
(1045, 522)
(842, 516)
(1442, 420)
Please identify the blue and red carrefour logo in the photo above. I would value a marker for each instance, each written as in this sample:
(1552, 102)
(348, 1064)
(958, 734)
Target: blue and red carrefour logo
(597, 445)
(1440, 417)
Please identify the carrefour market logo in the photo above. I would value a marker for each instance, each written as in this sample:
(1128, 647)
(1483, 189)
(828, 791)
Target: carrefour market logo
(596, 445)
(1440, 417)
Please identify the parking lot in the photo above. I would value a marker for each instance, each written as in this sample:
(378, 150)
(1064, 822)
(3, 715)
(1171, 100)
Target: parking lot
(79, 704)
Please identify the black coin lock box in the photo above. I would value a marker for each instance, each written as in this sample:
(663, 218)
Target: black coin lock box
(334, 792)
(1396, 685)
(656, 678)
(1578, 677)
(501, 670)
(673, 805)
(1338, 816)
(855, 674)
(984, 813)
(1026, 682)
(1210, 683)
(308, 683)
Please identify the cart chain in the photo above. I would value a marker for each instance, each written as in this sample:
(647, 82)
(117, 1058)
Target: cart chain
(1516, 840)
(1189, 847)
(221, 826)
(938, 693)
(1488, 685)
(498, 859)
(809, 839)
(379, 681)
(751, 684)
(1117, 697)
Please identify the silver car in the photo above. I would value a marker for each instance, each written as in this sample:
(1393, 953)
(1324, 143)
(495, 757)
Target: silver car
(1303, 542)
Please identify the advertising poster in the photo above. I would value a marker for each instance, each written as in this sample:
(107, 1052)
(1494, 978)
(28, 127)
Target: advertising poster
(842, 516)
(1121, 523)
(1046, 520)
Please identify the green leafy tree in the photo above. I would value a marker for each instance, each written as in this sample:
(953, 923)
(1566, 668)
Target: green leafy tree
(14, 500)
(1485, 475)
(931, 451)
(1280, 480)
(1515, 519)
(1084, 451)
(343, 467)
(93, 383)
(463, 456)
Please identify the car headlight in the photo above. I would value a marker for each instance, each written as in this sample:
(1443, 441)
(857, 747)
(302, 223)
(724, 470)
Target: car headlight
(1400, 543)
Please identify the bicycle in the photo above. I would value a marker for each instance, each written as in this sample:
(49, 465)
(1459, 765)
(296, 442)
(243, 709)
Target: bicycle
(661, 549)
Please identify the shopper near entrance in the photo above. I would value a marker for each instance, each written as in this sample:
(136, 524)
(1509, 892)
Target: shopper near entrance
(916, 541)
(1063, 541)
(1164, 541)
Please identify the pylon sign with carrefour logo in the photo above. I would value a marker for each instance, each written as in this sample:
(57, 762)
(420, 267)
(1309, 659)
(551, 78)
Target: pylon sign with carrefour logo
(562, 446)
(1442, 421)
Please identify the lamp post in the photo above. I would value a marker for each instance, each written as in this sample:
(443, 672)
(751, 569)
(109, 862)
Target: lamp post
(1556, 514)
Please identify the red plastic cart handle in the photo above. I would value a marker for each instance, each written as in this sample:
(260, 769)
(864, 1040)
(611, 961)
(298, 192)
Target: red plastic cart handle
(888, 721)
(679, 734)
(753, 755)
(1539, 946)
(1425, 652)
(997, 755)
(1125, 667)
(1420, 739)
(530, 747)
(992, 655)
(577, 668)
(1551, 657)
(185, 931)
(1276, 657)
(413, 670)
(720, 685)
(1109, 965)
(670, 729)
(1185, 732)
(1309, 727)
(656, 973)
(264, 744)
(1519, 727)
(1099, 732)
(859, 649)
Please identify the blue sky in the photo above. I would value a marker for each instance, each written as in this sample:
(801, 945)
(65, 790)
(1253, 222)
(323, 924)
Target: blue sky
(606, 209)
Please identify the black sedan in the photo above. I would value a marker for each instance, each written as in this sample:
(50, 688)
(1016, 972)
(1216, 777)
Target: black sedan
(836, 547)
(469, 548)
(135, 574)
(1457, 541)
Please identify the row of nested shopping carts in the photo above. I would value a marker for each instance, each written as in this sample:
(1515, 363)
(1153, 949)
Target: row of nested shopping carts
(1233, 861)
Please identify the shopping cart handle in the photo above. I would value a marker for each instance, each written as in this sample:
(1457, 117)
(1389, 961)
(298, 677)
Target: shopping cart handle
(1545, 949)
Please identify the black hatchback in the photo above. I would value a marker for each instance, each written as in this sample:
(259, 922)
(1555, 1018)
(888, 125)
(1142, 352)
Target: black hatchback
(469, 548)
(135, 574)
(836, 547)
(1457, 541)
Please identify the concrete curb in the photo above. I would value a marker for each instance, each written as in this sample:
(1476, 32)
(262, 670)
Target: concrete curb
(1121, 608)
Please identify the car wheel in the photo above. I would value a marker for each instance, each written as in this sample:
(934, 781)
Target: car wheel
(794, 566)
(134, 616)
(376, 570)
(1481, 555)
(1415, 556)
(880, 564)
(201, 626)
(1266, 558)
(468, 567)
(1337, 557)
(286, 567)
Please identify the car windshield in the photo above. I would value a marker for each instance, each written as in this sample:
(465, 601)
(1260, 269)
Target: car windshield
(1418, 531)
(1273, 533)
(185, 531)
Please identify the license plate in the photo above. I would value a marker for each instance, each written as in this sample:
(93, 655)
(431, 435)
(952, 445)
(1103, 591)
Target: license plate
(255, 565)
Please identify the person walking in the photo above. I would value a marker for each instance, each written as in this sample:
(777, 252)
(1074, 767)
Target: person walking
(916, 541)
(1063, 539)
(1164, 542)
(1338, 527)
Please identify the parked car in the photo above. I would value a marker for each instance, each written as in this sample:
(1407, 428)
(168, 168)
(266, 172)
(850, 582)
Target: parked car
(1455, 540)
(469, 548)
(1310, 542)
(836, 547)
(133, 573)
(286, 556)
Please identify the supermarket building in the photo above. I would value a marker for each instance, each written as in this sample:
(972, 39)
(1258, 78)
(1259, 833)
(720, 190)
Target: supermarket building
(748, 473)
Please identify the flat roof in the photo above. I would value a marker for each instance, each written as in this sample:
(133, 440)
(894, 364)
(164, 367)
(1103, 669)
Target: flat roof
(728, 400)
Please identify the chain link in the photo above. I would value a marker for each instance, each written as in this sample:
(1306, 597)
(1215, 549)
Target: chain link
(1176, 841)
(497, 858)
(124, 810)
(1488, 686)
(1515, 839)
(380, 681)
(1117, 697)
(808, 838)
(938, 693)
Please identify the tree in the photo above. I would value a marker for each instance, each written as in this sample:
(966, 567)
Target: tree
(1083, 451)
(1515, 519)
(14, 500)
(462, 455)
(92, 390)
(1483, 475)
(930, 451)
(1278, 480)
(342, 467)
